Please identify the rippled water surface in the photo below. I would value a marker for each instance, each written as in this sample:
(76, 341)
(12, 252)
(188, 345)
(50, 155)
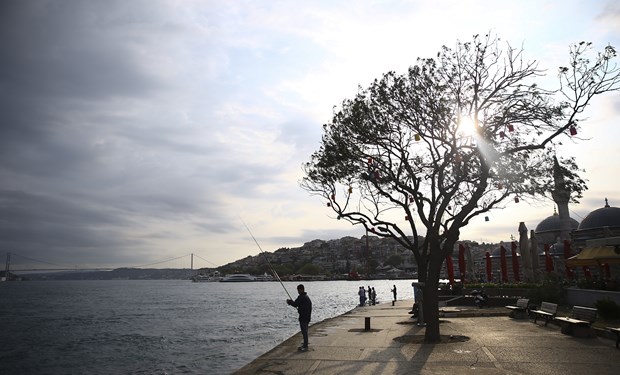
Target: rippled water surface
(157, 327)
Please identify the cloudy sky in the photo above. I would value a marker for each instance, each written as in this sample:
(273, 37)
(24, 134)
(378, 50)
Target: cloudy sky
(137, 131)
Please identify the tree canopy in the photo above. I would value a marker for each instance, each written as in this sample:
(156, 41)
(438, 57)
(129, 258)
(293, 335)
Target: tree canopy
(424, 152)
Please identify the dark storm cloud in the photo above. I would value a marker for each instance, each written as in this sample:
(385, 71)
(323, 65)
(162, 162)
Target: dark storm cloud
(76, 171)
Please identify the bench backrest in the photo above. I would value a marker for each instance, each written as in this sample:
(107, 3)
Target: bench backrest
(584, 313)
(523, 302)
(549, 307)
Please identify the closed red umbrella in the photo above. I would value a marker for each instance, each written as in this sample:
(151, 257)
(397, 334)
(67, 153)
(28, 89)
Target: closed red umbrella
(503, 264)
(606, 270)
(462, 267)
(489, 267)
(586, 272)
(548, 259)
(567, 254)
(515, 261)
(450, 268)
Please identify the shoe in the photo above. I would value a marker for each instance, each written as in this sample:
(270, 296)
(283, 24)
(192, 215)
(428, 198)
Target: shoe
(303, 348)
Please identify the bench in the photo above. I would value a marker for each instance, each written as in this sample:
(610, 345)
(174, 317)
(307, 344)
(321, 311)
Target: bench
(519, 311)
(547, 311)
(578, 324)
(617, 332)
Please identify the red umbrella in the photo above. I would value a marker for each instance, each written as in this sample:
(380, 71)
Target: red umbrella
(489, 270)
(450, 268)
(569, 272)
(548, 259)
(503, 265)
(515, 261)
(462, 262)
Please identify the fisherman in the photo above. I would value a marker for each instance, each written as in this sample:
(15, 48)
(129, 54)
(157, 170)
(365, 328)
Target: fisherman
(362, 293)
(304, 308)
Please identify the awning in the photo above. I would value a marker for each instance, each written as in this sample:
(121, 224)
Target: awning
(594, 256)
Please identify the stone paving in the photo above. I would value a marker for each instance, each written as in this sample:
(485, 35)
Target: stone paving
(478, 341)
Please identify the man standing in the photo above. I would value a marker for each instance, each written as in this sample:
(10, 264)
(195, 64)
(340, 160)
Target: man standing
(304, 308)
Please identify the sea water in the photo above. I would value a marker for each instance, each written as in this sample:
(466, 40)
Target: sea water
(158, 326)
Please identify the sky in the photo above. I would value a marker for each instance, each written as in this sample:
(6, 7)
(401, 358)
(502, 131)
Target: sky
(137, 131)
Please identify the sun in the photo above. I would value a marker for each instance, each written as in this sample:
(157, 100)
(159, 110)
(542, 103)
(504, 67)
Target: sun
(467, 127)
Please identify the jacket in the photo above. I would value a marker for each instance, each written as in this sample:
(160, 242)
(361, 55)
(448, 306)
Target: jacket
(304, 306)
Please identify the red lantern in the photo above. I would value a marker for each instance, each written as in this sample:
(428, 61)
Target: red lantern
(511, 128)
(329, 204)
(370, 160)
(377, 175)
(407, 218)
(573, 130)
(516, 199)
(333, 196)
(502, 134)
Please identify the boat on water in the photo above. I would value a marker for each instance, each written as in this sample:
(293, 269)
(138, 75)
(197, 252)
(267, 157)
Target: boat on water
(205, 278)
(201, 277)
(238, 277)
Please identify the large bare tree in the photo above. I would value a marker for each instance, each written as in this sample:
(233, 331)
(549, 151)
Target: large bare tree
(415, 157)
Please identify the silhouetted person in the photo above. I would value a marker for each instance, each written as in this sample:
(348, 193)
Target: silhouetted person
(304, 308)
(374, 297)
(394, 291)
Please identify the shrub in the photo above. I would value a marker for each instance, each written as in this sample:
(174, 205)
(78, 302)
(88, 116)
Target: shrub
(608, 309)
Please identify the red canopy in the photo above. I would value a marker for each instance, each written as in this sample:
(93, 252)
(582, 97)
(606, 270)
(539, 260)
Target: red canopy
(503, 264)
(515, 261)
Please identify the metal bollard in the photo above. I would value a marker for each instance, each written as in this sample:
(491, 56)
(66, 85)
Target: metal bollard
(367, 323)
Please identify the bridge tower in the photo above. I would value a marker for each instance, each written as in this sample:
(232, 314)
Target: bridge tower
(7, 267)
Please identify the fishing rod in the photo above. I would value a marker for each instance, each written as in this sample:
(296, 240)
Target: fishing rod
(267, 259)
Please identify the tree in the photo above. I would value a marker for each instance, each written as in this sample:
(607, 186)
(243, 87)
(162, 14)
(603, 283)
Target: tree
(309, 269)
(394, 260)
(423, 153)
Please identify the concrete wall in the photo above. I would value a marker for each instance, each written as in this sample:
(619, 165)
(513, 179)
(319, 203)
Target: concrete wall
(588, 297)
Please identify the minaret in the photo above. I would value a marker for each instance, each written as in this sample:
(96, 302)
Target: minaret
(561, 197)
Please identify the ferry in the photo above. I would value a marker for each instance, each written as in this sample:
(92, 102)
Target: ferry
(238, 277)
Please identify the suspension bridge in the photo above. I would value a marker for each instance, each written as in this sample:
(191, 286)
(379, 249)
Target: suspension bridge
(20, 263)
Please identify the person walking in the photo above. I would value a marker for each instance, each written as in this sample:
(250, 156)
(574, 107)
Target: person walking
(304, 308)
(374, 296)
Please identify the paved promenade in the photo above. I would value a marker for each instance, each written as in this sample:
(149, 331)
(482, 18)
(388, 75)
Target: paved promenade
(492, 344)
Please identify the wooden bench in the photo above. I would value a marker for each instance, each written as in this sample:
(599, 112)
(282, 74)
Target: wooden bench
(579, 323)
(519, 311)
(617, 332)
(547, 311)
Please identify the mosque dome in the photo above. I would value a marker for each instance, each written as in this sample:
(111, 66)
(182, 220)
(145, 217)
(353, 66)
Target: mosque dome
(552, 224)
(600, 223)
(602, 217)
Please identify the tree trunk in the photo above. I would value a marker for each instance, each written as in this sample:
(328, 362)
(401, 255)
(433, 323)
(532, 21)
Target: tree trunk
(431, 297)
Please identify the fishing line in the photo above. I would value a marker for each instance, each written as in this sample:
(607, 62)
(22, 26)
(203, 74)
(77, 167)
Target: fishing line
(267, 259)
